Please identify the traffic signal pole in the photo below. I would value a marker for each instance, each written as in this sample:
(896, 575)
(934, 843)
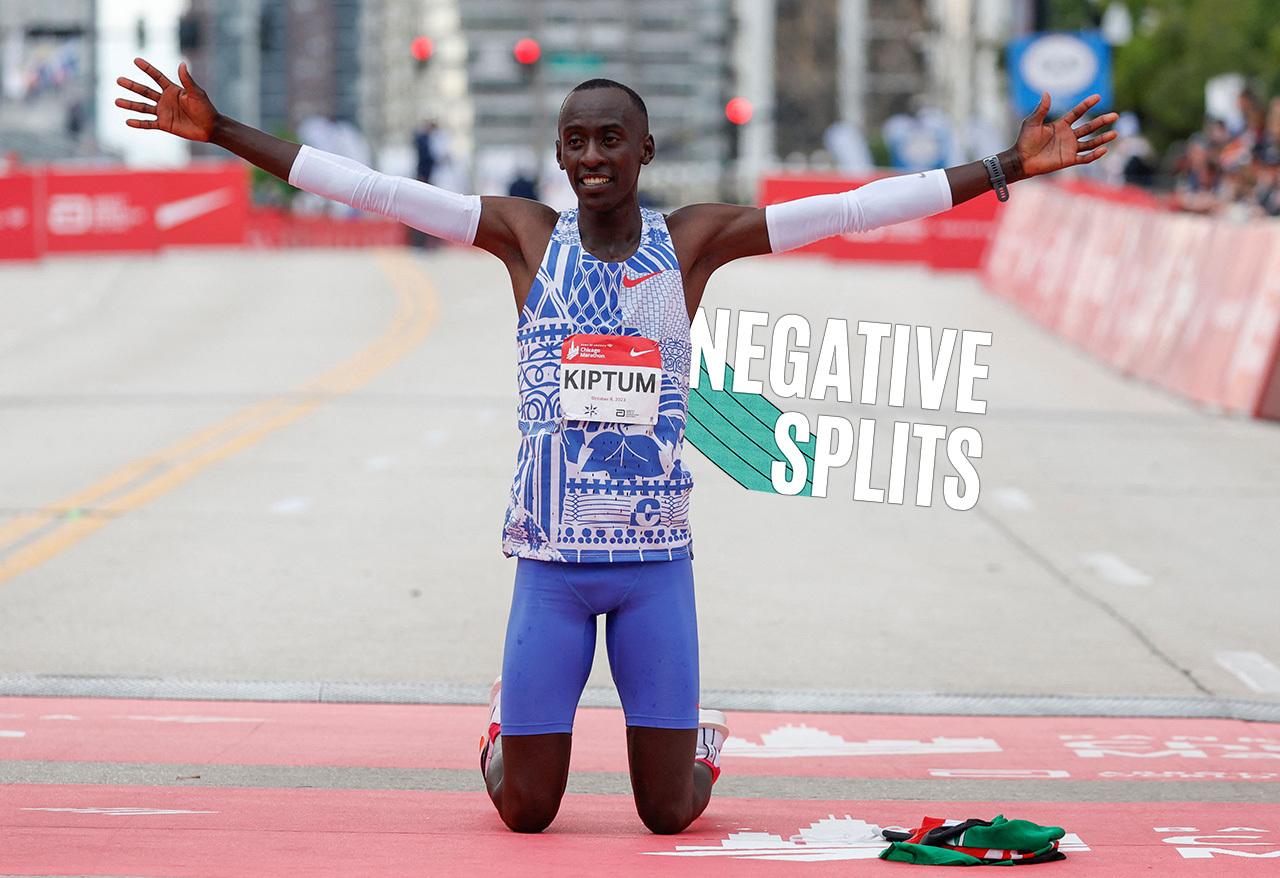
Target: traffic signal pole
(753, 61)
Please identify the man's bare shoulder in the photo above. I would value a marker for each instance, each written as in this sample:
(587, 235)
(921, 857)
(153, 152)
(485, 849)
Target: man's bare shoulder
(516, 230)
(711, 214)
(518, 212)
(717, 233)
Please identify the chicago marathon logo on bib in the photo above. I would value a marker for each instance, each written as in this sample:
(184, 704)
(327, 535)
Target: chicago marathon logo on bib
(610, 378)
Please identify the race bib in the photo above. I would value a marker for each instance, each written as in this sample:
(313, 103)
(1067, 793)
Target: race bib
(614, 378)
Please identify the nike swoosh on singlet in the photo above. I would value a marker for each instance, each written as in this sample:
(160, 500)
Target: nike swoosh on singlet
(632, 281)
(636, 353)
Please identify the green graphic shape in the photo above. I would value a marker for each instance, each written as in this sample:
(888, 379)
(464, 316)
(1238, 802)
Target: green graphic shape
(735, 432)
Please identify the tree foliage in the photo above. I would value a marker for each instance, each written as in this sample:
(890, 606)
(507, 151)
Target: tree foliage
(1179, 45)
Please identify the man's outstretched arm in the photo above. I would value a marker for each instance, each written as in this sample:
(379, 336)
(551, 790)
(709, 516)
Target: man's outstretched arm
(508, 228)
(709, 236)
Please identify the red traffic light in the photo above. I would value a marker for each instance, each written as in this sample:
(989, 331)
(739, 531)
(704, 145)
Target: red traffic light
(739, 111)
(421, 48)
(528, 51)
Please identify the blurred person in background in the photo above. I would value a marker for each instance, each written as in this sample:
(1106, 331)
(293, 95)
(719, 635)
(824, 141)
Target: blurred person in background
(1266, 194)
(621, 283)
(1269, 146)
(425, 145)
(1198, 177)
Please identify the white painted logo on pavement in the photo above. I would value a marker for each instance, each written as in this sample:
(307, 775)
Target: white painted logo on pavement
(1201, 844)
(802, 740)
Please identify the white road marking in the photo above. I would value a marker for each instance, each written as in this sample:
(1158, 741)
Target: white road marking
(1004, 773)
(195, 719)
(120, 812)
(1071, 842)
(1114, 570)
(291, 506)
(1013, 499)
(1253, 670)
(59, 716)
(8, 734)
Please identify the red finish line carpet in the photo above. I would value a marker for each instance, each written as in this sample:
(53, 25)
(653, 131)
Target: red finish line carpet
(108, 787)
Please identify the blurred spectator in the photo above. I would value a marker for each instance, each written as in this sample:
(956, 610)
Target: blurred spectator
(848, 148)
(1235, 173)
(425, 142)
(1132, 160)
(1269, 146)
(1199, 177)
(523, 185)
(1266, 193)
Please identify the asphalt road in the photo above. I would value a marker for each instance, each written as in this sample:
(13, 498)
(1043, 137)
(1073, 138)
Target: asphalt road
(293, 466)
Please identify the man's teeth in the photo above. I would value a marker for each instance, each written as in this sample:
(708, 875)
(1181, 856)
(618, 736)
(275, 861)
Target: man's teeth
(594, 181)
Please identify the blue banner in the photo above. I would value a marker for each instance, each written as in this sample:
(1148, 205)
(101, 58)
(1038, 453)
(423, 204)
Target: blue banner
(1069, 66)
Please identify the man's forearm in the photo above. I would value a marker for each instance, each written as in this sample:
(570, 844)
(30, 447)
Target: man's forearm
(971, 180)
(272, 154)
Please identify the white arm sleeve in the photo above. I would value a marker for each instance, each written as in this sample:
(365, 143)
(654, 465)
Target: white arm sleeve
(884, 202)
(434, 210)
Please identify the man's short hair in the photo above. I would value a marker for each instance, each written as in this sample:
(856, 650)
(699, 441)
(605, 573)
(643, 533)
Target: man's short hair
(592, 84)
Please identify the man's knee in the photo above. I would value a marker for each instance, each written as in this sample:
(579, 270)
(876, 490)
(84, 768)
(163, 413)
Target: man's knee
(528, 810)
(664, 818)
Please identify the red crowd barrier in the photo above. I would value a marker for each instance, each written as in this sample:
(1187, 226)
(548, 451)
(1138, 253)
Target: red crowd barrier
(278, 228)
(19, 229)
(82, 210)
(956, 239)
(1188, 303)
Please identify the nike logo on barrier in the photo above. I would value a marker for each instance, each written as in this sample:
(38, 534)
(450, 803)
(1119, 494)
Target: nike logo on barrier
(184, 210)
(632, 281)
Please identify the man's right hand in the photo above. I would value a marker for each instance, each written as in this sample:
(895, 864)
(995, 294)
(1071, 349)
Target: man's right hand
(184, 110)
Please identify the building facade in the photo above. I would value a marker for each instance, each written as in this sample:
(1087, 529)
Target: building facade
(277, 63)
(47, 78)
(677, 54)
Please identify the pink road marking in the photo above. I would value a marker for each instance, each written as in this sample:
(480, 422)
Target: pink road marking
(808, 745)
(59, 830)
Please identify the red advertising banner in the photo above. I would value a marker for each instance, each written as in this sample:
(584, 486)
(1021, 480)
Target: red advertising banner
(203, 204)
(957, 239)
(905, 242)
(97, 210)
(19, 229)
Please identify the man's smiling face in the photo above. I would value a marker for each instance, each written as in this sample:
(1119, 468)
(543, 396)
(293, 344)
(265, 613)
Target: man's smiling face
(604, 139)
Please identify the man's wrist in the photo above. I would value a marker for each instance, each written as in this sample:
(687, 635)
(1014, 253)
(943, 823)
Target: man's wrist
(1011, 164)
(221, 128)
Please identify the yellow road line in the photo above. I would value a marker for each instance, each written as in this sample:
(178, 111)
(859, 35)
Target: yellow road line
(138, 483)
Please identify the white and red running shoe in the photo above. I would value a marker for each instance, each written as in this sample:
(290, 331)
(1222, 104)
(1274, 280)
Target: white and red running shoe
(495, 726)
(712, 732)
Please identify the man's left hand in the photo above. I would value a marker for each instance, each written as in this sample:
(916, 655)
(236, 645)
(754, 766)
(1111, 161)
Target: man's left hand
(1044, 147)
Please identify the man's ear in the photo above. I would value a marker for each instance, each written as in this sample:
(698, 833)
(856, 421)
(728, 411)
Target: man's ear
(649, 149)
(559, 160)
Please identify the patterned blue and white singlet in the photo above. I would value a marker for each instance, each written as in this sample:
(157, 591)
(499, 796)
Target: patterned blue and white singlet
(594, 491)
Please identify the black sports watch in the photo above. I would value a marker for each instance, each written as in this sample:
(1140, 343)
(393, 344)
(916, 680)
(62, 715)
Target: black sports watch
(996, 174)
